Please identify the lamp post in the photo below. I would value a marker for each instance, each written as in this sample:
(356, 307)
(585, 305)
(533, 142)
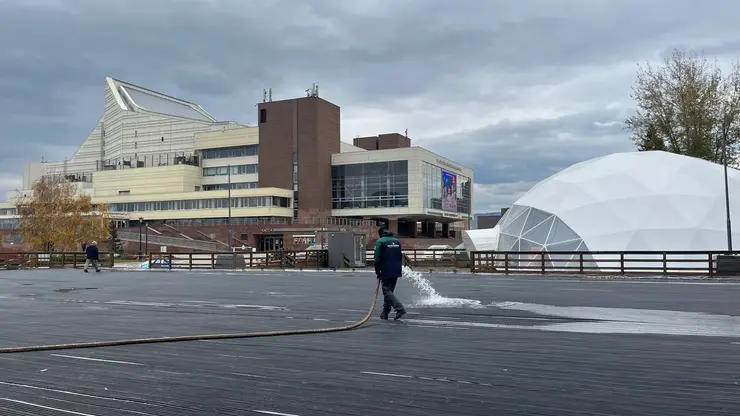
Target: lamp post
(229, 219)
(727, 191)
(146, 239)
(141, 222)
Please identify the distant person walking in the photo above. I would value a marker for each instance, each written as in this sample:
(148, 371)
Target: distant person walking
(388, 268)
(93, 256)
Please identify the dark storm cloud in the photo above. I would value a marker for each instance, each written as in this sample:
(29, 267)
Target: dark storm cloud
(370, 57)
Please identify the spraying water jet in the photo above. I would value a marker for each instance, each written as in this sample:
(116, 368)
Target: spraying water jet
(430, 297)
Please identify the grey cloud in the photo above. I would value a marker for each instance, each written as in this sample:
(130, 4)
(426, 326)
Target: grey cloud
(364, 54)
(493, 197)
(395, 54)
(511, 152)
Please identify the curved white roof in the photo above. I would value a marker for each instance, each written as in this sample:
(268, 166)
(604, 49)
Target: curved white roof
(132, 97)
(481, 240)
(637, 201)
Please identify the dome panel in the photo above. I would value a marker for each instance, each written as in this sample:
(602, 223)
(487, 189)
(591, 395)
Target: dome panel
(535, 218)
(530, 246)
(506, 242)
(515, 226)
(560, 232)
(512, 214)
(539, 233)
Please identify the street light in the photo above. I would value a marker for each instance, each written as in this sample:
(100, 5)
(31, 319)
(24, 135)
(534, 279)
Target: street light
(727, 191)
(141, 222)
(146, 239)
(230, 230)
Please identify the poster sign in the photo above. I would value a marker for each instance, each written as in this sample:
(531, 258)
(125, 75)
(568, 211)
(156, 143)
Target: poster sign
(449, 191)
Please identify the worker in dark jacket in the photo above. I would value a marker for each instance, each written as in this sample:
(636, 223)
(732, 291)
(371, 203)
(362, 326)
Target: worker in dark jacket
(93, 256)
(388, 268)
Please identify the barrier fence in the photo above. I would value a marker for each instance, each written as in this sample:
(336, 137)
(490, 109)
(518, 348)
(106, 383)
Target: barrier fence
(306, 259)
(301, 259)
(607, 262)
(541, 263)
(21, 260)
(432, 259)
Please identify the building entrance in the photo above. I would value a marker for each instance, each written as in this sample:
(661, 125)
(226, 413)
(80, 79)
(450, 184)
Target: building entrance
(270, 242)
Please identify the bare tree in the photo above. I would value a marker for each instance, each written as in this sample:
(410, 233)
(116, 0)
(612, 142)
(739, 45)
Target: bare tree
(687, 104)
(55, 217)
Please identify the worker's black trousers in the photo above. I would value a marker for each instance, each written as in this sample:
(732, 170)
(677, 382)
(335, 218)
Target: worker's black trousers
(389, 298)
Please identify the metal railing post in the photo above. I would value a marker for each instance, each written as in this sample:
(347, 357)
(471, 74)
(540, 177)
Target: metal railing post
(665, 263)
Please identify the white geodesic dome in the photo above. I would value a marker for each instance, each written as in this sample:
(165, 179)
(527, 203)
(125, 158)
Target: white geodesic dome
(637, 201)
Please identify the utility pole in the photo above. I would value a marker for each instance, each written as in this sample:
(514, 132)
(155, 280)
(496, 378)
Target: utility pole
(230, 231)
(141, 222)
(727, 191)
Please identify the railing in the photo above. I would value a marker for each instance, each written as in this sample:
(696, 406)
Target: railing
(334, 221)
(607, 262)
(428, 258)
(30, 260)
(221, 243)
(162, 240)
(307, 259)
(149, 160)
(240, 221)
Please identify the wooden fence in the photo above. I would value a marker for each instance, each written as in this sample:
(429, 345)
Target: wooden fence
(432, 259)
(301, 259)
(305, 259)
(541, 263)
(607, 262)
(25, 260)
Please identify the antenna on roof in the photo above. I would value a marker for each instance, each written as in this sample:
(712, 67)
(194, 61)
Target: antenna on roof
(313, 91)
(269, 95)
(264, 95)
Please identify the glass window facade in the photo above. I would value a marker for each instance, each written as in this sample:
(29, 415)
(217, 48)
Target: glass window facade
(225, 152)
(445, 190)
(235, 170)
(225, 186)
(8, 223)
(295, 185)
(371, 185)
(224, 221)
(211, 203)
(12, 238)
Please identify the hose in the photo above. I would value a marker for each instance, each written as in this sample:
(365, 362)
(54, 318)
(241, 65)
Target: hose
(181, 338)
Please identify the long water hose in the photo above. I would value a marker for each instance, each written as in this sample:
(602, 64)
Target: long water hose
(98, 344)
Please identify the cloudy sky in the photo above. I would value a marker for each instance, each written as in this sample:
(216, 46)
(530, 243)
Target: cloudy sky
(515, 90)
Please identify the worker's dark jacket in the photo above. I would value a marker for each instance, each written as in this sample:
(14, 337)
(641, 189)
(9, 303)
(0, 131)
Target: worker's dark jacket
(92, 252)
(388, 257)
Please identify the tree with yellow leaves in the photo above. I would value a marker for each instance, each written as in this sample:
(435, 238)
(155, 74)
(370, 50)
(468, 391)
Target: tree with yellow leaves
(55, 217)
